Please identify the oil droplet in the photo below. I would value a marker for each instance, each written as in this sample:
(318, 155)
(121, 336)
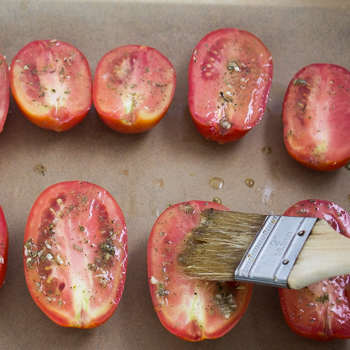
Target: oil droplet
(347, 166)
(216, 183)
(40, 169)
(192, 174)
(267, 194)
(124, 172)
(158, 182)
(249, 182)
(217, 200)
(155, 212)
(266, 150)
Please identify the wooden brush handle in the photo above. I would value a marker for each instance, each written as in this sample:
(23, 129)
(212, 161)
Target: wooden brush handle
(325, 254)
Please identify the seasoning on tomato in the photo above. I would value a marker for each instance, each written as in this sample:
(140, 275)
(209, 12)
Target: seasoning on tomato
(316, 117)
(133, 88)
(320, 311)
(75, 254)
(190, 309)
(4, 91)
(230, 75)
(51, 84)
(4, 247)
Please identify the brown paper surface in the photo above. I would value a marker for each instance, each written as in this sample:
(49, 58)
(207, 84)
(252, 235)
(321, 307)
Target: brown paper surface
(169, 164)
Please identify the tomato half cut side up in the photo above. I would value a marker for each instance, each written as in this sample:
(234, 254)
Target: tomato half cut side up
(75, 254)
(316, 117)
(4, 247)
(230, 75)
(133, 88)
(190, 309)
(51, 83)
(4, 91)
(320, 311)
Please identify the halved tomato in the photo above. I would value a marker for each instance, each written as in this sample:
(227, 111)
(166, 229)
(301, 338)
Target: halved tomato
(320, 311)
(51, 84)
(4, 91)
(316, 117)
(191, 309)
(4, 247)
(230, 75)
(133, 88)
(75, 254)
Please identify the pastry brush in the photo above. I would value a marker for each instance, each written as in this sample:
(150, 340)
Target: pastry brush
(280, 251)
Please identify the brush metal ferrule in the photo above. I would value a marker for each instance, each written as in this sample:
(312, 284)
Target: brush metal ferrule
(274, 250)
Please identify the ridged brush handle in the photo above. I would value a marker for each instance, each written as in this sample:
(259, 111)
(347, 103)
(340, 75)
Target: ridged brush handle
(326, 254)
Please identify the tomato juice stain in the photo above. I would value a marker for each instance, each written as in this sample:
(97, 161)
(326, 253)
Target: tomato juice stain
(216, 183)
(40, 169)
(124, 172)
(24, 5)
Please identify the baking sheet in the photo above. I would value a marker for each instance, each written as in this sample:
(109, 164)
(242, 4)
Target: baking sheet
(171, 163)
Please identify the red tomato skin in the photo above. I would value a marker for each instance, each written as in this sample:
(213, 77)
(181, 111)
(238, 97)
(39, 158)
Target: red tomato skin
(44, 201)
(207, 107)
(74, 71)
(321, 320)
(105, 93)
(4, 91)
(318, 112)
(4, 247)
(170, 229)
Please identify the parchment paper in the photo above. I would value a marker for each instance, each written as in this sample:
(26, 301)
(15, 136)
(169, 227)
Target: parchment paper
(171, 163)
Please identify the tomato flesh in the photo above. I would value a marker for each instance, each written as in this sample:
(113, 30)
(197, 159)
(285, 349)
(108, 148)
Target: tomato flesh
(320, 311)
(51, 84)
(230, 75)
(75, 254)
(316, 117)
(4, 91)
(191, 309)
(133, 88)
(4, 247)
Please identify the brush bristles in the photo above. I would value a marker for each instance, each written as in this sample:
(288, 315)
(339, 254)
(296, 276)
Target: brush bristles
(215, 248)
